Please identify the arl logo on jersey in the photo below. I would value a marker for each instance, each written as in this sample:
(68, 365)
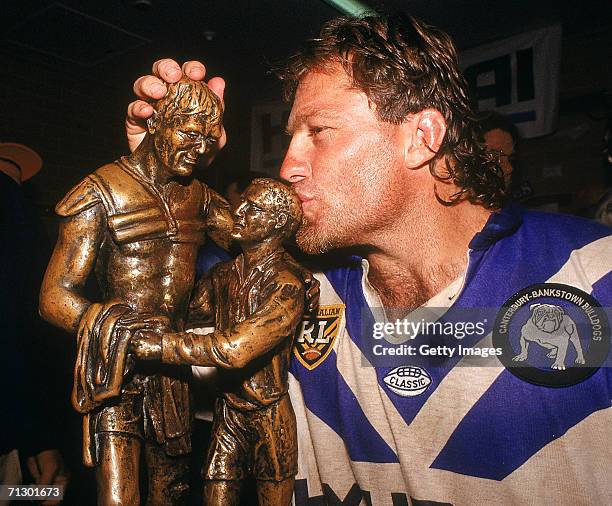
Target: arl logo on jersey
(316, 336)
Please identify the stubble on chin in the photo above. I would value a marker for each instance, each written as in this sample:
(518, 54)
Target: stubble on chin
(323, 236)
(309, 241)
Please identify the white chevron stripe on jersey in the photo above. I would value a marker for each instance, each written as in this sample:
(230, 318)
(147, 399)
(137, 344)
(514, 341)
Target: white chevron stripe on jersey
(307, 464)
(361, 377)
(548, 469)
(332, 452)
(584, 266)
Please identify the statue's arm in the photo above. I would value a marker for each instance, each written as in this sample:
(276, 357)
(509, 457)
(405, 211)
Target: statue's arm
(276, 319)
(219, 219)
(73, 259)
(201, 308)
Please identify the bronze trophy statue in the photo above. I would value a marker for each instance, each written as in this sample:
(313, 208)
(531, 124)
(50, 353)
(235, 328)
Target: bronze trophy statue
(138, 222)
(257, 301)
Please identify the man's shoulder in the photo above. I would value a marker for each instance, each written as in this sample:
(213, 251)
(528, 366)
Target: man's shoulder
(285, 274)
(556, 225)
(338, 270)
(547, 239)
(85, 194)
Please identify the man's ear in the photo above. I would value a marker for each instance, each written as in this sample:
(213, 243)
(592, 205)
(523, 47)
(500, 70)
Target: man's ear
(281, 220)
(427, 130)
(153, 122)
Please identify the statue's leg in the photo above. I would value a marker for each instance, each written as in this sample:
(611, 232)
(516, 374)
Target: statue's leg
(118, 471)
(168, 476)
(227, 458)
(118, 439)
(222, 492)
(275, 453)
(275, 493)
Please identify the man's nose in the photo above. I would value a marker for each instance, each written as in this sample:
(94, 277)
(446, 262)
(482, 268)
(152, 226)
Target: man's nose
(201, 146)
(239, 211)
(296, 166)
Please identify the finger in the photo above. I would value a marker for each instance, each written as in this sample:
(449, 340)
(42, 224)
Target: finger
(139, 110)
(33, 468)
(223, 139)
(48, 475)
(150, 87)
(209, 156)
(217, 85)
(167, 70)
(153, 324)
(194, 70)
(61, 480)
(134, 326)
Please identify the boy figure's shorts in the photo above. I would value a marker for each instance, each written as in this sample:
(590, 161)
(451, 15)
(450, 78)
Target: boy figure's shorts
(257, 442)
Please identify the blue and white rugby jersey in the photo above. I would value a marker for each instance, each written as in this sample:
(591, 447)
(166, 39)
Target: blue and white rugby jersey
(474, 435)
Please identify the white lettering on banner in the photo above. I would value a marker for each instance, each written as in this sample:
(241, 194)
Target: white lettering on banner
(518, 77)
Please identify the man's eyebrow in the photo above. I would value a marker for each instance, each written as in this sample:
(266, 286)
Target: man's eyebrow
(253, 203)
(309, 114)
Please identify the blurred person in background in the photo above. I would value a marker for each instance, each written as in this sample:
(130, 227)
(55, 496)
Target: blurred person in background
(499, 134)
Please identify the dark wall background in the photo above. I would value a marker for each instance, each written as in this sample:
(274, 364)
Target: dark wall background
(68, 70)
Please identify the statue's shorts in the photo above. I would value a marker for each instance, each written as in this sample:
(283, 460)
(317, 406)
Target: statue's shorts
(260, 442)
(126, 415)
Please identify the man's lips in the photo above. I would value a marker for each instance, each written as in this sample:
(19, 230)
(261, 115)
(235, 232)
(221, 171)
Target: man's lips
(238, 226)
(304, 196)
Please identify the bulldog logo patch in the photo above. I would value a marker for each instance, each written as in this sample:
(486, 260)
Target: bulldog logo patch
(316, 336)
(552, 335)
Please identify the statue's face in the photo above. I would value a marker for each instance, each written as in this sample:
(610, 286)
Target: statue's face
(183, 138)
(254, 218)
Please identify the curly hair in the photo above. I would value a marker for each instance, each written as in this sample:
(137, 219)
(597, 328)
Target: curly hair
(405, 66)
(190, 97)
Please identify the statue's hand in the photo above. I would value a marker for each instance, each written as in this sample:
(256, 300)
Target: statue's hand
(146, 345)
(133, 322)
(153, 87)
(312, 285)
(313, 291)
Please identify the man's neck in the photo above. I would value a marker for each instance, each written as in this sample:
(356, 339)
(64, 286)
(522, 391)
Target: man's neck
(422, 255)
(144, 161)
(256, 254)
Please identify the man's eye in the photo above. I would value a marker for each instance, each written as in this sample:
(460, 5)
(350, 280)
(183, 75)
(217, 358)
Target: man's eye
(316, 130)
(210, 140)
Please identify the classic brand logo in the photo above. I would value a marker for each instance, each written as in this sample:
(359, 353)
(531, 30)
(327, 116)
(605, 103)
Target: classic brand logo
(316, 336)
(408, 380)
(552, 335)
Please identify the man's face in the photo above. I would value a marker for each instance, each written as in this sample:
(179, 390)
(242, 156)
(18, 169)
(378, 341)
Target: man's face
(254, 217)
(345, 164)
(180, 140)
(500, 140)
